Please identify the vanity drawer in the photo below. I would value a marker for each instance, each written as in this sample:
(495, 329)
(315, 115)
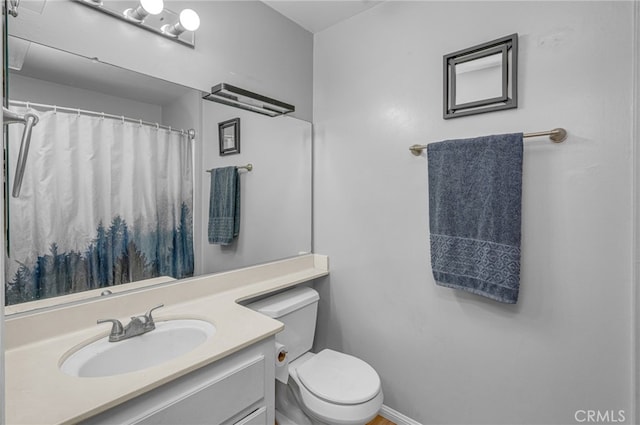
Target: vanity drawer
(259, 417)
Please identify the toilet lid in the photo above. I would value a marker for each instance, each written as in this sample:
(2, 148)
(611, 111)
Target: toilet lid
(339, 378)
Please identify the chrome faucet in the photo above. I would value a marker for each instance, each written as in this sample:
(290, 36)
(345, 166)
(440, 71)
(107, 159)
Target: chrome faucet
(139, 325)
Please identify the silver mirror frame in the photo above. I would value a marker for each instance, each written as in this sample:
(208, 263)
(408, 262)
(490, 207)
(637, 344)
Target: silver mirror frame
(507, 47)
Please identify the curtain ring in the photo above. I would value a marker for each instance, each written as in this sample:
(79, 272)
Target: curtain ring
(140, 122)
(157, 126)
(102, 116)
(55, 109)
(169, 129)
(122, 119)
(78, 113)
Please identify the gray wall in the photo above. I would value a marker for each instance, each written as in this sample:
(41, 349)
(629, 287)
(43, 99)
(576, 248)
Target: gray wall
(245, 43)
(445, 356)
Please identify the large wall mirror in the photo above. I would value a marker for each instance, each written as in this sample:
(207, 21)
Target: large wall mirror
(275, 220)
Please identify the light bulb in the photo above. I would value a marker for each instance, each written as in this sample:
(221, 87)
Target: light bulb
(188, 21)
(144, 9)
(153, 7)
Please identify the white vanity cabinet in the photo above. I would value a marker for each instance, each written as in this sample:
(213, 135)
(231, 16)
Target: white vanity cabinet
(236, 390)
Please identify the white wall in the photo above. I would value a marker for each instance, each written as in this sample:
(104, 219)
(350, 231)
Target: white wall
(275, 197)
(245, 43)
(450, 357)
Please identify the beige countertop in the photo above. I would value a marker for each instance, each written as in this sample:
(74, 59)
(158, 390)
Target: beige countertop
(37, 392)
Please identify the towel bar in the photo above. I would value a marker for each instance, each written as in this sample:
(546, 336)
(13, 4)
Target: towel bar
(248, 167)
(557, 135)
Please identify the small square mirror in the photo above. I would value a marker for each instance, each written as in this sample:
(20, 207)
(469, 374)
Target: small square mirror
(229, 136)
(482, 78)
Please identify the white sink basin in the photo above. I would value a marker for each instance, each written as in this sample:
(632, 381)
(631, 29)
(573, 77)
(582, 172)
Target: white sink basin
(169, 340)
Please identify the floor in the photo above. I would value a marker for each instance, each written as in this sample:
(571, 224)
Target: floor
(379, 420)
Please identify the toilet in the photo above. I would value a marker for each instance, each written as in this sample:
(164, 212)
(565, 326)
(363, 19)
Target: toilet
(327, 388)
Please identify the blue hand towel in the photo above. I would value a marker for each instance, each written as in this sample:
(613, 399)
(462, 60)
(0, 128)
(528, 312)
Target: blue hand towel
(475, 196)
(224, 206)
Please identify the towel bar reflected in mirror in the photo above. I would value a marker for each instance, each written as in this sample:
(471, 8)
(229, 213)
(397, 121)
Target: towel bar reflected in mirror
(248, 167)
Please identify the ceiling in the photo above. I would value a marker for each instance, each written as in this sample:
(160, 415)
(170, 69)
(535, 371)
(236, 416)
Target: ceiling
(317, 15)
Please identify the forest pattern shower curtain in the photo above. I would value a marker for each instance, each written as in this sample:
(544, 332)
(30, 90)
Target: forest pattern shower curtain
(103, 202)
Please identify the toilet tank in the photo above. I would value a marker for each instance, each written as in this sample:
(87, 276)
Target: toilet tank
(297, 309)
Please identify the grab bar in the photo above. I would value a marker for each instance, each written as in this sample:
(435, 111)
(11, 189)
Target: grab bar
(29, 119)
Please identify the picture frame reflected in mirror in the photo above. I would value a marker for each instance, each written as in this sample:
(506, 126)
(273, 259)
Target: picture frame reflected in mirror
(229, 137)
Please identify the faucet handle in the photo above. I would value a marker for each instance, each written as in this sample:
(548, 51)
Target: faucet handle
(150, 323)
(117, 329)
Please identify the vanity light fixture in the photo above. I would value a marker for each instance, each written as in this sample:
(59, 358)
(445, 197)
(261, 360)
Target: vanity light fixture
(244, 99)
(151, 15)
(188, 21)
(144, 9)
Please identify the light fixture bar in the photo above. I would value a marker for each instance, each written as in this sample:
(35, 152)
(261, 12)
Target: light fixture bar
(234, 96)
(150, 22)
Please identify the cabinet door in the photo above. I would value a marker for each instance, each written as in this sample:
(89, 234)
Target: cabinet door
(259, 417)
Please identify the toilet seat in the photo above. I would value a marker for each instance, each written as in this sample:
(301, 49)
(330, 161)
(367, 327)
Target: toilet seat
(332, 412)
(339, 378)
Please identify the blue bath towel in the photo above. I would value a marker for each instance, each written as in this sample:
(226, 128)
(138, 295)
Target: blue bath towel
(224, 206)
(475, 195)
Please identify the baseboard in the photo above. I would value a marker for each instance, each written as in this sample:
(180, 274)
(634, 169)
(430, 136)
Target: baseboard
(396, 417)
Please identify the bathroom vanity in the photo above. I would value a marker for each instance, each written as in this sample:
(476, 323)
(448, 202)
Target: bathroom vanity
(235, 390)
(227, 379)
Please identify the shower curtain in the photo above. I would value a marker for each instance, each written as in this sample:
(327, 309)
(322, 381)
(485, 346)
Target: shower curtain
(103, 202)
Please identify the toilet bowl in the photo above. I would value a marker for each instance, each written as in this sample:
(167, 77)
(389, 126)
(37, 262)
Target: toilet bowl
(333, 388)
(327, 388)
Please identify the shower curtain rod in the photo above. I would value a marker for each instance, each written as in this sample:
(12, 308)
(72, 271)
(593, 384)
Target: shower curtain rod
(191, 133)
(557, 135)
